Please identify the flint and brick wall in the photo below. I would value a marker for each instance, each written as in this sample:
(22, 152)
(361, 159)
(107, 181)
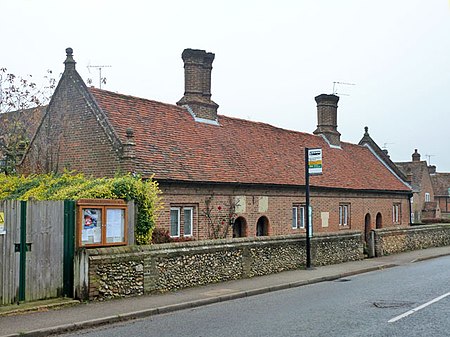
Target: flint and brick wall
(136, 270)
(397, 240)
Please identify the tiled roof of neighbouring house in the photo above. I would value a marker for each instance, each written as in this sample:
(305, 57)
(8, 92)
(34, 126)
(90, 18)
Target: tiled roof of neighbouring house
(441, 184)
(417, 169)
(171, 145)
(27, 120)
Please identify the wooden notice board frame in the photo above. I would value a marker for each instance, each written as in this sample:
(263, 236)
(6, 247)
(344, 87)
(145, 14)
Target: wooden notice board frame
(102, 223)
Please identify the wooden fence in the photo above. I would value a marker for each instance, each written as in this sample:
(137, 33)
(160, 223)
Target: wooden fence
(36, 248)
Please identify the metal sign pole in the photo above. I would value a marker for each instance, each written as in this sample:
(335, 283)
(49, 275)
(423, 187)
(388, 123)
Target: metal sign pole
(308, 239)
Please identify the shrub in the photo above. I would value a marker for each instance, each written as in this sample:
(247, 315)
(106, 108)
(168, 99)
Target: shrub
(160, 235)
(71, 186)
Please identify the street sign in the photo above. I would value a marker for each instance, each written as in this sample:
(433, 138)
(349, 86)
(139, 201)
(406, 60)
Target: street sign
(315, 161)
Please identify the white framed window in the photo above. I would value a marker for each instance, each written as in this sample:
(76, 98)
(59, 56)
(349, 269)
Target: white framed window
(344, 215)
(175, 221)
(396, 213)
(427, 197)
(298, 216)
(188, 213)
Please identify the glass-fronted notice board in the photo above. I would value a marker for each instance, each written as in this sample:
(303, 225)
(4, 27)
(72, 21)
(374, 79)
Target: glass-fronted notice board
(101, 223)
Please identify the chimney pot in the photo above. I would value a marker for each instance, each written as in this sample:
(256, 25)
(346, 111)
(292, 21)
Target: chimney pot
(415, 156)
(327, 118)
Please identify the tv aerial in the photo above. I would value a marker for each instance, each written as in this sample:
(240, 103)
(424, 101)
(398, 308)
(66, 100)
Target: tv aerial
(336, 84)
(429, 157)
(385, 145)
(101, 80)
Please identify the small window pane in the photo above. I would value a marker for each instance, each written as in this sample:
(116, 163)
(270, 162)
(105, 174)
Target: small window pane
(302, 217)
(175, 222)
(188, 215)
(294, 217)
(343, 215)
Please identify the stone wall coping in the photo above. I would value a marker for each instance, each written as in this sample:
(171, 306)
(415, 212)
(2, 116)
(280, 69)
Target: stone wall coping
(209, 245)
(398, 230)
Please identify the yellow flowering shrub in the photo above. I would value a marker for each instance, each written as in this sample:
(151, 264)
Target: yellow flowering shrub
(72, 186)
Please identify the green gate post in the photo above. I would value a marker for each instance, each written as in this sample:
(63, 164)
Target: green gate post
(69, 247)
(22, 250)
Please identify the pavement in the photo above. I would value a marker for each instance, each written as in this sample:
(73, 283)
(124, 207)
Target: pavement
(57, 316)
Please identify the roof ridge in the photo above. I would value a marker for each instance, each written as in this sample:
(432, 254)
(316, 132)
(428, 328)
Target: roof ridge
(100, 91)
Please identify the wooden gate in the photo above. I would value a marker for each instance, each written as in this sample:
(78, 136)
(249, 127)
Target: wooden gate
(36, 248)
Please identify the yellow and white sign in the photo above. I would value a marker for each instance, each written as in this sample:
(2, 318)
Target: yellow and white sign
(2, 223)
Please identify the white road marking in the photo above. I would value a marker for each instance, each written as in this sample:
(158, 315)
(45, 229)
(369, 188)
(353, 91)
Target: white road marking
(420, 307)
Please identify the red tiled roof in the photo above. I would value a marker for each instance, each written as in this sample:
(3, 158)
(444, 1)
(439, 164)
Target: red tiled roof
(28, 120)
(441, 184)
(171, 145)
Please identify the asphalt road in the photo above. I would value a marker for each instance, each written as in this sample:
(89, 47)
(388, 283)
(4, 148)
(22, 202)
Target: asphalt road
(411, 300)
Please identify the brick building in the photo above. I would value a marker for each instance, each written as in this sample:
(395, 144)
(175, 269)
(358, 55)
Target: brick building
(418, 175)
(441, 187)
(209, 165)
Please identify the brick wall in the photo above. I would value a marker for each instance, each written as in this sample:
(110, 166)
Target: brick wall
(131, 271)
(73, 141)
(276, 205)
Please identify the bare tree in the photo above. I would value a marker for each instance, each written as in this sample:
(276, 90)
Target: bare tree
(20, 93)
(22, 103)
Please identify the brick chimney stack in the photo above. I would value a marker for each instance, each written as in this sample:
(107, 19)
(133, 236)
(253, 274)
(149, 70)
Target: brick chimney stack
(197, 84)
(416, 156)
(431, 169)
(327, 118)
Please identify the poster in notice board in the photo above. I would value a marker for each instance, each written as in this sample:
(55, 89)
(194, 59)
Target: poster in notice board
(91, 233)
(115, 225)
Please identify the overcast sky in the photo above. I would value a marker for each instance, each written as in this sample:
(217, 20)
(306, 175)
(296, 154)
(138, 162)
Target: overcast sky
(272, 59)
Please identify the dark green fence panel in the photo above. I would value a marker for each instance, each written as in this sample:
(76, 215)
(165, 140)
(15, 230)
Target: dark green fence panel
(69, 246)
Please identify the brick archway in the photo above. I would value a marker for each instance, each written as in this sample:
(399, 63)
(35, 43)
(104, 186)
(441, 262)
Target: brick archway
(240, 227)
(379, 221)
(262, 226)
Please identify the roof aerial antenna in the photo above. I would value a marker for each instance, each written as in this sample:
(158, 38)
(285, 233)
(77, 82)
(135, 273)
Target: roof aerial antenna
(386, 144)
(429, 157)
(335, 92)
(101, 80)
